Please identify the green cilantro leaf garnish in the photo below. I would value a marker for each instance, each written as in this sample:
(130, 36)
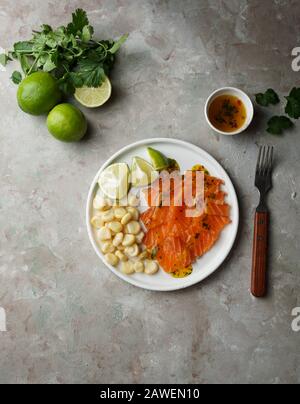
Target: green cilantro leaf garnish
(278, 124)
(293, 104)
(268, 98)
(16, 77)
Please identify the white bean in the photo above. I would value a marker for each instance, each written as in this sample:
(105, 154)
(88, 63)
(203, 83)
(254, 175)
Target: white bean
(120, 213)
(118, 239)
(140, 237)
(133, 228)
(108, 216)
(97, 222)
(104, 234)
(139, 267)
(108, 247)
(133, 200)
(129, 240)
(132, 251)
(127, 268)
(134, 212)
(115, 227)
(112, 259)
(122, 257)
(151, 267)
(126, 219)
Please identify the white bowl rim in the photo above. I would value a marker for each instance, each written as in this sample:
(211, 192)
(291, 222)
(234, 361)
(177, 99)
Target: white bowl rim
(249, 107)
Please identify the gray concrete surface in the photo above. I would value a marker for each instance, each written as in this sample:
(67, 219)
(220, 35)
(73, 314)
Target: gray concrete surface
(69, 320)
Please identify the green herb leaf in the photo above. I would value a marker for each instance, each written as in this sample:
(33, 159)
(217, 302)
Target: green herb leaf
(70, 82)
(25, 64)
(79, 21)
(49, 65)
(23, 47)
(52, 41)
(91, 73)
(269, 97)
(76, 80)
(154, 253)
(66, 85)
(39, 44)
(87, 33)
(16, 77)
(46, 29)
(293, 104)
(278, 124)
(118, 44)
(4, 59)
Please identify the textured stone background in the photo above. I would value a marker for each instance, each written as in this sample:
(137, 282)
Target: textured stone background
(68, 318)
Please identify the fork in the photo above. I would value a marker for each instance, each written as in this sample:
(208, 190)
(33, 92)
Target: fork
(263, 182)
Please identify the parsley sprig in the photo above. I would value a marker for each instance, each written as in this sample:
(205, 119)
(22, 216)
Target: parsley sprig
(269, 97)
(69, 53)
(277, 125)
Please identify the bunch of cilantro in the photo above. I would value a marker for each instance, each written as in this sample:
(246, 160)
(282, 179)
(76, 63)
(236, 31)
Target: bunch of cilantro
(278, 124)
(69, 53)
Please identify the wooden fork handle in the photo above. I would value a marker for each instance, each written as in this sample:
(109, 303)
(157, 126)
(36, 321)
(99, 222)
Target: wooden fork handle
(260, 254)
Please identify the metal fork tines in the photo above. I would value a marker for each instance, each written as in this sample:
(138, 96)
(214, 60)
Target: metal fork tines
(263, 177)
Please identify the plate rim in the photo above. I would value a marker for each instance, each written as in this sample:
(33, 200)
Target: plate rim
(127, 148)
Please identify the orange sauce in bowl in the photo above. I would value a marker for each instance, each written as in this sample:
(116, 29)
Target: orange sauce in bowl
(227, 113)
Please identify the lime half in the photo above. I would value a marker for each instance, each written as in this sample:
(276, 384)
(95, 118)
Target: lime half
(114, 181)
(142, 173)
(94, 97)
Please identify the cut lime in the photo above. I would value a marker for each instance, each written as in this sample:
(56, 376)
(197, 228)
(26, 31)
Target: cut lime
(142, 173)
(94, 97)
(160, 161)
(114, 181)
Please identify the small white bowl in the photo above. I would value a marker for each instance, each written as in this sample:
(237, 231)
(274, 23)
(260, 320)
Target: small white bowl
(239, 94)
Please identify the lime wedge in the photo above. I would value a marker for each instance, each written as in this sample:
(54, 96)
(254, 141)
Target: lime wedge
(94, 97)
(114, 181)
(142, 173)
(160, 161)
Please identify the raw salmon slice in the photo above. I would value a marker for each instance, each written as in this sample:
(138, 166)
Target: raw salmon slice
(176, 238)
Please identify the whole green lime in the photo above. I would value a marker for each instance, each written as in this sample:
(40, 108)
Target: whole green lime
(38, 93)
(67, 123)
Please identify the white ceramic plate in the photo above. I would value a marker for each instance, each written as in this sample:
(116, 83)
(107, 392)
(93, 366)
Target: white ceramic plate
(187, 156)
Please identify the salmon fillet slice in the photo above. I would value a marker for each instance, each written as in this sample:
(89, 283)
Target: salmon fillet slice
(178, 240)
